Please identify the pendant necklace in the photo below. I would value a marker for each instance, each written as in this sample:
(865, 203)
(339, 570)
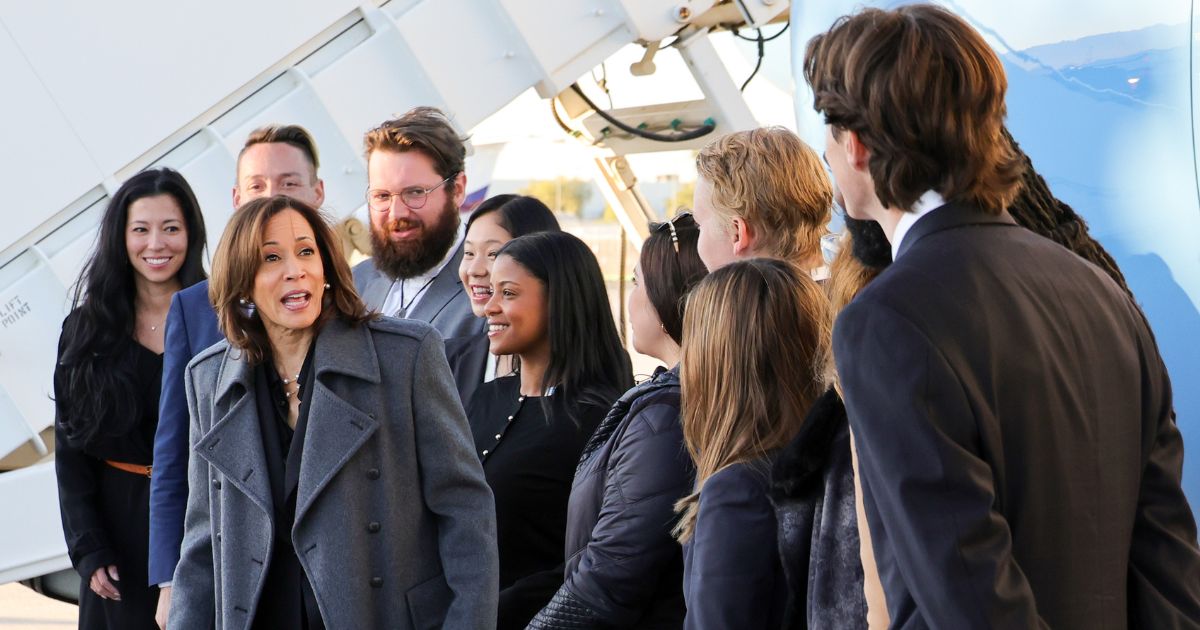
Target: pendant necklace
(403, 306)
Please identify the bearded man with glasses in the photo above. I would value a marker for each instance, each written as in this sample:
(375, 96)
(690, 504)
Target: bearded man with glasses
(416, 184)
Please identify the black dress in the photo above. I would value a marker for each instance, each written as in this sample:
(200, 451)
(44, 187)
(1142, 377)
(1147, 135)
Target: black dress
(106, 511)
(529, 461)
(287, 599)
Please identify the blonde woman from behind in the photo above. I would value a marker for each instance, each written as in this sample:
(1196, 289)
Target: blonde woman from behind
(755, 340)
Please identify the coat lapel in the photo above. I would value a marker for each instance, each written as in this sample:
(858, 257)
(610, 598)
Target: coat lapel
(445, 286)
(234, 443)
(336, 428)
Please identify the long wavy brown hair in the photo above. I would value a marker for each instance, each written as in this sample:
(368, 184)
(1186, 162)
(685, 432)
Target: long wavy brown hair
(755, 341)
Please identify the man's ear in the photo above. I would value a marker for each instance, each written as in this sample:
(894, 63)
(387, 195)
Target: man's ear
(320, 190)
(460, 189)
(744, 238)
(237, 196)
(857, 153)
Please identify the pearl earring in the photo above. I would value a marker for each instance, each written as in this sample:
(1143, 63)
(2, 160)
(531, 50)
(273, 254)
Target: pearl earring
(327, 286)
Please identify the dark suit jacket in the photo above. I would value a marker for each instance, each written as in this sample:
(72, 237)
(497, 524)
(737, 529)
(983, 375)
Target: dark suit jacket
(191, 327)
(445, 305)
(468, 357)
(1018, 452)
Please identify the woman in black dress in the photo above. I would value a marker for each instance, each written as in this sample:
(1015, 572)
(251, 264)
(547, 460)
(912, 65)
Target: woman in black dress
(549, 307)
(623, 567)
(494, 222)
(106, 386)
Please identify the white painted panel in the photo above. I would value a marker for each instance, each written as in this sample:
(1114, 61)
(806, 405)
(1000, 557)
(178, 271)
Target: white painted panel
(32, 544)
(69, 247)
(478, 70)
(125, 85)
(14, 431)
(371, 83)
(210, 173)
(560, 32)
(31, 312)
(37, 181)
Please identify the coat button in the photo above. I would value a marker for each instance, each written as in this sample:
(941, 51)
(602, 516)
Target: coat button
(373, 474)
(485, 452)
(217, 483)
(497, 436)
(376, 582)
(218, 536)
(373, 527)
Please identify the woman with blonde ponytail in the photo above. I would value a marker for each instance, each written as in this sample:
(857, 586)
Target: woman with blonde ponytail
(755, 344)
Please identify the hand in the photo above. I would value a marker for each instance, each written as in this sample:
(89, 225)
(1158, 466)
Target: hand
(102, 586)
(164, 607)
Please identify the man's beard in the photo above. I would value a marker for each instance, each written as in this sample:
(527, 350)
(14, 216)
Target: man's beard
(413, 257)
(868, 243)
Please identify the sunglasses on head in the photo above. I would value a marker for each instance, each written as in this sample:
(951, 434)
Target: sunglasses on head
(670, 224)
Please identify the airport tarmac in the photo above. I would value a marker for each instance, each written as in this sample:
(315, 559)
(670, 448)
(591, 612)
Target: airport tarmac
(24, 609)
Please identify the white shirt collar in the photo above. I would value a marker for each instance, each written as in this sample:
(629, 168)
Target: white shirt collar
(928, 202)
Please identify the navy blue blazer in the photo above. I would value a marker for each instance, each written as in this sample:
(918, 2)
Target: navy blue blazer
(191, 327)
(1017, 447)
(732, 574)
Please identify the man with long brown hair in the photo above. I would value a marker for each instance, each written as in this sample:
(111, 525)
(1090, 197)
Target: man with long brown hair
(1018, 453)
(416, 183)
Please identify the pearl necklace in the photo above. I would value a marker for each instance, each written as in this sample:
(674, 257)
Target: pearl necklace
(289, 381)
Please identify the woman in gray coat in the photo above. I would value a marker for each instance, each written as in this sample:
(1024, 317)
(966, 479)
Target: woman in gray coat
(332, 482)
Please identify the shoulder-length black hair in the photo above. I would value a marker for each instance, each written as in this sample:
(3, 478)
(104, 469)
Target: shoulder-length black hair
(517, 214)
(671, 266)
(588, 365)
(97, 385)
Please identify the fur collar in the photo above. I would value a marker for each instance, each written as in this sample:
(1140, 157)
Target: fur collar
(800, 467)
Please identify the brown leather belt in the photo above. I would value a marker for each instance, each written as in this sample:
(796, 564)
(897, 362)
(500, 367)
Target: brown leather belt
(137, 469)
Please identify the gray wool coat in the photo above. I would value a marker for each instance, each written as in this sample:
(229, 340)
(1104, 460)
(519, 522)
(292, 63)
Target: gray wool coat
(395, 526)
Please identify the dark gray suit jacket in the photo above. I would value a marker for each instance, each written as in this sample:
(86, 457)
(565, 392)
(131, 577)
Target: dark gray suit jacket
(468, 357)
(395, 526)
(445, 305)
(1018, 452)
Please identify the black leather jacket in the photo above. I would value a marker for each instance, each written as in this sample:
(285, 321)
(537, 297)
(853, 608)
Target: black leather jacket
(623, 567)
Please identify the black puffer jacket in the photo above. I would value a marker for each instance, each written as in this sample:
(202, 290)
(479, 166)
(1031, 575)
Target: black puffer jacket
(812, 488)
(624, 570)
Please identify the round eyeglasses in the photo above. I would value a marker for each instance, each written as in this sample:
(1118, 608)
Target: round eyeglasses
(380, 200)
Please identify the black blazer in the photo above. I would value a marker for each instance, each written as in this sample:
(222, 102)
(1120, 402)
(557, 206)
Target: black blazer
(1017, 445)
(468, 358)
